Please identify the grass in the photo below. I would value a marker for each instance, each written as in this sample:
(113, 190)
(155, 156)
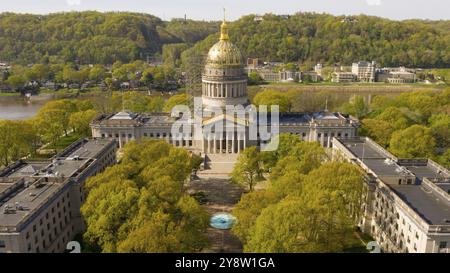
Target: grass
(63, 142)
(356, 84)
(9, 94)
(358, 243)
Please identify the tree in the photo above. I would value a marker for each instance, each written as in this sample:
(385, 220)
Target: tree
(15, 82)
(18, 139)
(440, 129)
(273, 97)
(97, 73)
(254, 79)
(318, 218)
(379, 130)
(302, 158)
(248, 169)
(285, 144)
(57, 114)
(140, 205)
(247, 211)
(179, 99)
(80, 122)
(356, 107)
(413, 142)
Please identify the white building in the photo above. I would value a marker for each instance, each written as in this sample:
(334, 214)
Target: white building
(364, 71)
(408, 202)
(342, 77)
(40, 201)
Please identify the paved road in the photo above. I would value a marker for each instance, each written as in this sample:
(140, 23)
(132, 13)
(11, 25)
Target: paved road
(222, 195)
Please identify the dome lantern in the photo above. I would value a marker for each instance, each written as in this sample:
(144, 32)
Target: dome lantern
(224, 52)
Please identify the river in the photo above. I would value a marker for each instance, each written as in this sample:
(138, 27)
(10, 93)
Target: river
(18, 108)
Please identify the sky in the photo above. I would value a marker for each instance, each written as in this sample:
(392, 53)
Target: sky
(213, 9)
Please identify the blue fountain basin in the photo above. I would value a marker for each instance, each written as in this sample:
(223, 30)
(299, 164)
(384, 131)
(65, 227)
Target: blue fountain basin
(222, 221)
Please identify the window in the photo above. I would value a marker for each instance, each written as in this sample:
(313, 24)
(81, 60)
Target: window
(2, 244)
(442, 245)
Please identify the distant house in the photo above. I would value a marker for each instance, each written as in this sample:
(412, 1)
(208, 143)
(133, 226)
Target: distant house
(51, 85)
(396, 75)
(341, 77)
(289, 76)
(125, 85)
(311, 76)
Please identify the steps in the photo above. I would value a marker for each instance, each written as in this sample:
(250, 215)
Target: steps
(218, 165)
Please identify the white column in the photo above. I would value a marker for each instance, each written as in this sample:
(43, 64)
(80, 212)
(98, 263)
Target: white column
(245, 141)
(239, 142)
(322, 138)
(329, 139)
(214, 143)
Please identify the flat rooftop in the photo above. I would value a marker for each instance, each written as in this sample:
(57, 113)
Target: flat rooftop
(63, 168)
(381, 168)
(52, 177)
(29, 199)
(363, 149)
(427, 171)
(28, 169)
(431, 207)
(373, 157)
(85, 148)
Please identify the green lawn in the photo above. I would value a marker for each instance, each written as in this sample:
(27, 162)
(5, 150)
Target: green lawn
(63, 142)
(358, 243)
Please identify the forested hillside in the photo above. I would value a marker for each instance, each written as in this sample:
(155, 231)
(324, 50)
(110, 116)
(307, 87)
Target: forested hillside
(92, 37)
(311, 38)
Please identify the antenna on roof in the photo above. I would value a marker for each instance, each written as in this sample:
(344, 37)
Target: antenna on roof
(123, 101)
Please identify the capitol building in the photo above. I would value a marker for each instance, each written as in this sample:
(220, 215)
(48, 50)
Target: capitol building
(223, 136)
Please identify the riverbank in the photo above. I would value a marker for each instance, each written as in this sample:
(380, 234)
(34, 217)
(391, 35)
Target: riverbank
(373, 88)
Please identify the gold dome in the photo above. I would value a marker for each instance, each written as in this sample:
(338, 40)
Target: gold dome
(224, 52)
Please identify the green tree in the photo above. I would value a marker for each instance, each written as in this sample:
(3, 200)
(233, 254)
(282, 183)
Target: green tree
(413, 142)
(80, 122)
(179, 99)
(273, 97)
(140, 205)
(16, 82)
(248, 169)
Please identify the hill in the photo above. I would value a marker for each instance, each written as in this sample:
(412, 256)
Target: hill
(310, 38)
(92, 37)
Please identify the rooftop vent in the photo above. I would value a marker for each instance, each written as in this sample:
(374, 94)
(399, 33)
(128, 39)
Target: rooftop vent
(9, 209)
(388, 161)
(19, 206)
